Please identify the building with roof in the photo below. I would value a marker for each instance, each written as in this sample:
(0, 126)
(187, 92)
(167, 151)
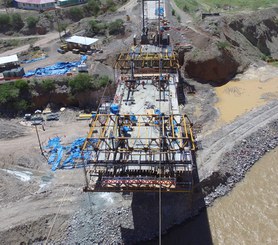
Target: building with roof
(8, 62)
(64, 3)
(82, 43)
(35, 4)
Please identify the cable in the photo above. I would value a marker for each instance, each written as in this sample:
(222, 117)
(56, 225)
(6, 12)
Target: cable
(162, 145)
(54, 220)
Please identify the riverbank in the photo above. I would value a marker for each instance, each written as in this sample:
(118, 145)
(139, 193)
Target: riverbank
(241, 158)
(247, 215)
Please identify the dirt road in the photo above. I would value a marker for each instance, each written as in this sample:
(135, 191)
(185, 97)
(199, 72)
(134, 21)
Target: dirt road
(43, 42)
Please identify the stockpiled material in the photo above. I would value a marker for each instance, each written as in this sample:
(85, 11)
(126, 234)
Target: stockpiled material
(60, 68)
(58, 153)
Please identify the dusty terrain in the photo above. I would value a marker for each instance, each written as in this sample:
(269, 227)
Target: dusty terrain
(40, 205)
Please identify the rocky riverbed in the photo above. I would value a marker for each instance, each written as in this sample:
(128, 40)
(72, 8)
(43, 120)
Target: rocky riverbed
(242, 157)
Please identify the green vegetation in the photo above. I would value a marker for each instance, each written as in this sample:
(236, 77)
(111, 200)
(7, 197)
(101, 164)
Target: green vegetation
(275, 63)
(101, 82)
(11, 95)
(111, 6)
(93, 7)
(47, 85)
(16, 97)
(32, 22)
(80, 83)
(188, 5)
(223, 45)
(116, 27)
(100, 28)
(8, 93)
(16, 21)
(214, 5)
(173, 12)
(97, 27)
(7, 3)
(10, 22)
(84, 81)
(4, 22)
(22, 85)
(75, 13)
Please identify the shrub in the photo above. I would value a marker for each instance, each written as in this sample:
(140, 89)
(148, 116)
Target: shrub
(75, 14)
(32, 22)
(97, 27)
(80, 83)
(4, 22)
(116, 27)
(8, 3)
(93, 7)
(8, 93)
(179, 18)
(22, 85)
(47, 85)
(21, 105)
(185, 8)
(222, 45)
(111, 6)
(101, 82)
(173, 12)
(16, 21)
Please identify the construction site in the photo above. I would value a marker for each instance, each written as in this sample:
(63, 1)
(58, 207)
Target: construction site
(145, 144)
(141, 159)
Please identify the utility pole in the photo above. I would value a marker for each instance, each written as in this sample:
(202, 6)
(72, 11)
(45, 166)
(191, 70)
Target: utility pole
(58, 23)
(39, 139)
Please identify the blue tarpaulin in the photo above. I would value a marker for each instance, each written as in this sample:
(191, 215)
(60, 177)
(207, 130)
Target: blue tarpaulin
(159, 11)
(73, 151)
(60, 68)
(33, 60)
(114, 109)
(133, 118)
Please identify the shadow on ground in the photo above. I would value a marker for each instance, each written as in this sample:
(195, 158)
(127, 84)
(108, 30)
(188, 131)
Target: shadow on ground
(177, 208)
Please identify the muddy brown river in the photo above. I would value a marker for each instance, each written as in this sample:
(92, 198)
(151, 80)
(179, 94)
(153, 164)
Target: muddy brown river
(248, 215)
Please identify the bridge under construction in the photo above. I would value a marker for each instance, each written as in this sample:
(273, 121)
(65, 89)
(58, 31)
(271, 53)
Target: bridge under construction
(141, 142)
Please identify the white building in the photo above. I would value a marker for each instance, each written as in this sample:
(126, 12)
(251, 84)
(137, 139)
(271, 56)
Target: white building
(35, 4)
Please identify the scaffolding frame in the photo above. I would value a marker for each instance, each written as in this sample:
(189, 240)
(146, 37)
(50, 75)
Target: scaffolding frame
(146, 61)
(154, 145)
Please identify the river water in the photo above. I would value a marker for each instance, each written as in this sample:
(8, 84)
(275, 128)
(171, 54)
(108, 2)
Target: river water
(247, 215)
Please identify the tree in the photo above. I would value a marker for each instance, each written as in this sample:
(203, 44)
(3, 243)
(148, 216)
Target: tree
(63, 27)
(4, 22)
(93, 7)
(111, 5)
(8, 93)
(80, 82)
(32, 22)
(116, 27)
(22, 85)
(47, 85)
(21, 105)
(97, 27)
(101, 81)
(16, 21)
(76, 14)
